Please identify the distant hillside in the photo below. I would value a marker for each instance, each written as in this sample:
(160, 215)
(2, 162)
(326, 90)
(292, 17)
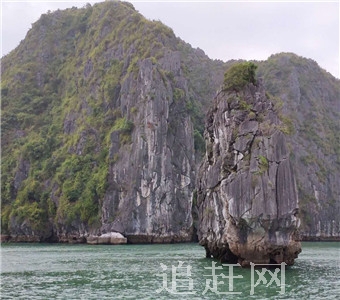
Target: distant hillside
(311, 102)
(102, 122)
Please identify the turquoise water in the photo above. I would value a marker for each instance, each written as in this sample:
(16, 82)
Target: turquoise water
(57, 271)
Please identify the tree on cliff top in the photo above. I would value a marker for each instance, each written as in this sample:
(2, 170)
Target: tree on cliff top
(239, 75)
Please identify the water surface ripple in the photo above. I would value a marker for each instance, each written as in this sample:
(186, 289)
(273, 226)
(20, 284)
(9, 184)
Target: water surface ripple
(57, 271)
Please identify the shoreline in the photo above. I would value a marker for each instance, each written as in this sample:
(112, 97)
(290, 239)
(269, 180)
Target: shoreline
(149, 241)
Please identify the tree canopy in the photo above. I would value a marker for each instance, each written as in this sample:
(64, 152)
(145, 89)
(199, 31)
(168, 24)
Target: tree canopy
(239, 75)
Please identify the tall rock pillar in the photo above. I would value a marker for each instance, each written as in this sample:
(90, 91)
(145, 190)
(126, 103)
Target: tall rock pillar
(247, 196)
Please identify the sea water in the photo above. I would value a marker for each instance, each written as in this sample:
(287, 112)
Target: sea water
(174, 271)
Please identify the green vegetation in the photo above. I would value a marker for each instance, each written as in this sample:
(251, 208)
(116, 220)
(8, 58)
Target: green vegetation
(306, 98)
(287, 126)
(199, 142)
(263, 165)
(308, 159)
(178, 94)
(55, 116)
(65, 105)
(293, 78)
(124, 127)
(243, 105)
(239, 75)
(62, 111)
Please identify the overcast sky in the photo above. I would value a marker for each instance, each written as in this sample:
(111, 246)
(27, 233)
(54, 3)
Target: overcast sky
(223, 29)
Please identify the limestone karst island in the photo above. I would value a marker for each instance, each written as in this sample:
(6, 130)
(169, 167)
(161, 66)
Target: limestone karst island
(115, 131)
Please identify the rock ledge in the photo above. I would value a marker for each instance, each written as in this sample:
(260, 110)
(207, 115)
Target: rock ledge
(110, 238)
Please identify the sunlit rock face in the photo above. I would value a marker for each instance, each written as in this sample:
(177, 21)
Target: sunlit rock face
(247, 195)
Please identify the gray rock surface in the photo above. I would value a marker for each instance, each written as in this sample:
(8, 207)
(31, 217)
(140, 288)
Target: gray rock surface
(151, 183)
(96, 65)
(310, 98)
(247, 195)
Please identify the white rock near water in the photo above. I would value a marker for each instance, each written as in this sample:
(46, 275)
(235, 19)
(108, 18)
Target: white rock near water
(110, 238)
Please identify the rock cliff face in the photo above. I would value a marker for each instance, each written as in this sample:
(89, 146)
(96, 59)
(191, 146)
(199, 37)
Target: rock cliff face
(102, 130)
(310, 99)
(151, 168)
(247, 196)
(151, 184)
(101, 139)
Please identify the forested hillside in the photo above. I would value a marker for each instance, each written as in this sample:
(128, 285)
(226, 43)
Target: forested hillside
(311, 104)
(103, 113)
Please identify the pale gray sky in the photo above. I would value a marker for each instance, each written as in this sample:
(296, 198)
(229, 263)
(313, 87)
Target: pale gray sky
(223, 29)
